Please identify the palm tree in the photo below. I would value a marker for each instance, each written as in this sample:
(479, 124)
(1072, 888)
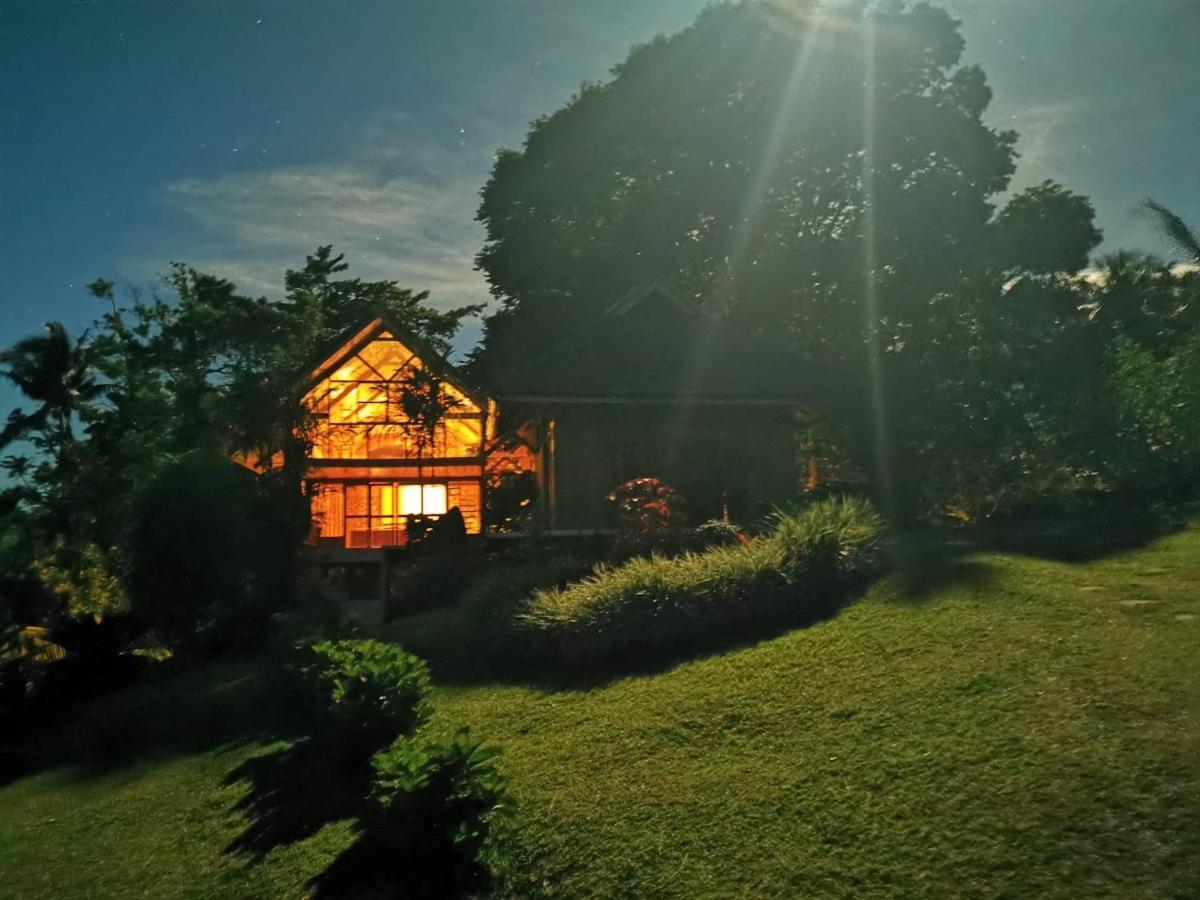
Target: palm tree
(1177, 231)
(53, 371)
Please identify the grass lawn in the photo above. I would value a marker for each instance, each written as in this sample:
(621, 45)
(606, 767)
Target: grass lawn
(986, 724)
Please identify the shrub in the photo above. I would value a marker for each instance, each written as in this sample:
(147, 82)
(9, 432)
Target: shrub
(511, 499)
(834, 542)
(716, 533)
(478, 632)
(808, 562)
(434, 571)
(366, 694)
(83, 578)
(435, 800)
(649, 512)
(212, 552)
(1155, 449)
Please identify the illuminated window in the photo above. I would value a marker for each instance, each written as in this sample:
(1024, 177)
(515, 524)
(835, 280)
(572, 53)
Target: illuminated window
(434, 499)
(375, 514)
(422, 499)
(328, 510)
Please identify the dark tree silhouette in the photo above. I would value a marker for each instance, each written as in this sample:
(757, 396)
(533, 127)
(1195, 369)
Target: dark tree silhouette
(54, 372)
(772, 163)
(1046, 228)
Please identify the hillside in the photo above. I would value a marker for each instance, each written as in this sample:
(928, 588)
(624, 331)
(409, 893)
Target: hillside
(992, 724)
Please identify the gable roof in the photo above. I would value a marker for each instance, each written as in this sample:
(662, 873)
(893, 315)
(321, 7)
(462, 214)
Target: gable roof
(655, 289)
(354, 341)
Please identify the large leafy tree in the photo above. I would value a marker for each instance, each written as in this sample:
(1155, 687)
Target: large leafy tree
(819, 183)
(781, 165)
(1045, 228)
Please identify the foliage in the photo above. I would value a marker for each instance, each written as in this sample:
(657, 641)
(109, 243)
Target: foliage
(436, 800)
(201, 572)
(416, 796)
(954, 352)
(330, 306)
(1176, 230)
(769, 208)
(510, 501)
(130, 489)
(425, 403)
(833, 541)
(1045, 228)
(659, 605)
(25, 654)
(86, 583)
(367, 694)
(55, 372)
(477, 627)
(1158, 441)
(996, 399)
(649, 512)
(882, 748)
(717, 533)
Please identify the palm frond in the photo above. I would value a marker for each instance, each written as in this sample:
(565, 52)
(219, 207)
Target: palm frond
(20, 424)
(1174, 228)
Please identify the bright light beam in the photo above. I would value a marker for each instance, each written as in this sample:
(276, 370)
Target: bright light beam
(879, 424)
(748, 217)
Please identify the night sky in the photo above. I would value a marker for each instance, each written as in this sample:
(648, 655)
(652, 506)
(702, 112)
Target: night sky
(239, 135)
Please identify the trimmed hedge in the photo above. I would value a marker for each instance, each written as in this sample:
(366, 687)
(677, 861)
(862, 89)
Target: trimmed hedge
(809, 561)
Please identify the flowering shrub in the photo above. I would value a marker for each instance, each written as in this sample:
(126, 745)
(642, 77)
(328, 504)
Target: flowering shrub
(649, 511)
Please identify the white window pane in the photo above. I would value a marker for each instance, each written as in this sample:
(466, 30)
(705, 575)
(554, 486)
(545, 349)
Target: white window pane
(435, 499)
(410, 499)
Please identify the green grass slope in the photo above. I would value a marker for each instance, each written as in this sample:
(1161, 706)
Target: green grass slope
(1000, 726)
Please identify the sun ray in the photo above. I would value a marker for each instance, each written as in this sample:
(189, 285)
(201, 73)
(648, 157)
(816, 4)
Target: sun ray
(749, 215)
(879, 424)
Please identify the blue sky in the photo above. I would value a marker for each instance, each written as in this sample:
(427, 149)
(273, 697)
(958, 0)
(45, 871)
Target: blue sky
(238, 135)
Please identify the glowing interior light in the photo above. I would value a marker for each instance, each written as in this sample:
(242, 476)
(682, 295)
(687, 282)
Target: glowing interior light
(410, 499)
(434, 496)
(422, 499)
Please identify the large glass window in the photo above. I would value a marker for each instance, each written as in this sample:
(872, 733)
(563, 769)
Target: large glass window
(360, 412)
(376, 513)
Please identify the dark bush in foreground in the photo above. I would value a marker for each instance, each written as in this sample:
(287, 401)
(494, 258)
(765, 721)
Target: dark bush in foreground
(212, 553)
(811, 559)
(427, 830)
(424, 804)
(367, 694)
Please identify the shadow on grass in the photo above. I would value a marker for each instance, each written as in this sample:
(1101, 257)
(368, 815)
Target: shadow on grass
(1102, 531)
(925, 564)
(224, 704)
(467, 656)
(292, 793)
(374, 869)
(928, 561)
(408, 847)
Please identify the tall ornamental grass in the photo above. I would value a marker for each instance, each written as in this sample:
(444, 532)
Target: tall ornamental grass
(811, 559)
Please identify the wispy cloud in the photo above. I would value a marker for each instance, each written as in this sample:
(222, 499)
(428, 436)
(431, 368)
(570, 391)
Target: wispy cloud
(419, 231)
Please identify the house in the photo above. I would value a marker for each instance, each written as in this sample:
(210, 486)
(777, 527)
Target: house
(399, 437)
(651, 385)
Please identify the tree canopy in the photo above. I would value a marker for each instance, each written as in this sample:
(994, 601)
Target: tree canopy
(820, 186)
(135, 422)
(769, 162)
